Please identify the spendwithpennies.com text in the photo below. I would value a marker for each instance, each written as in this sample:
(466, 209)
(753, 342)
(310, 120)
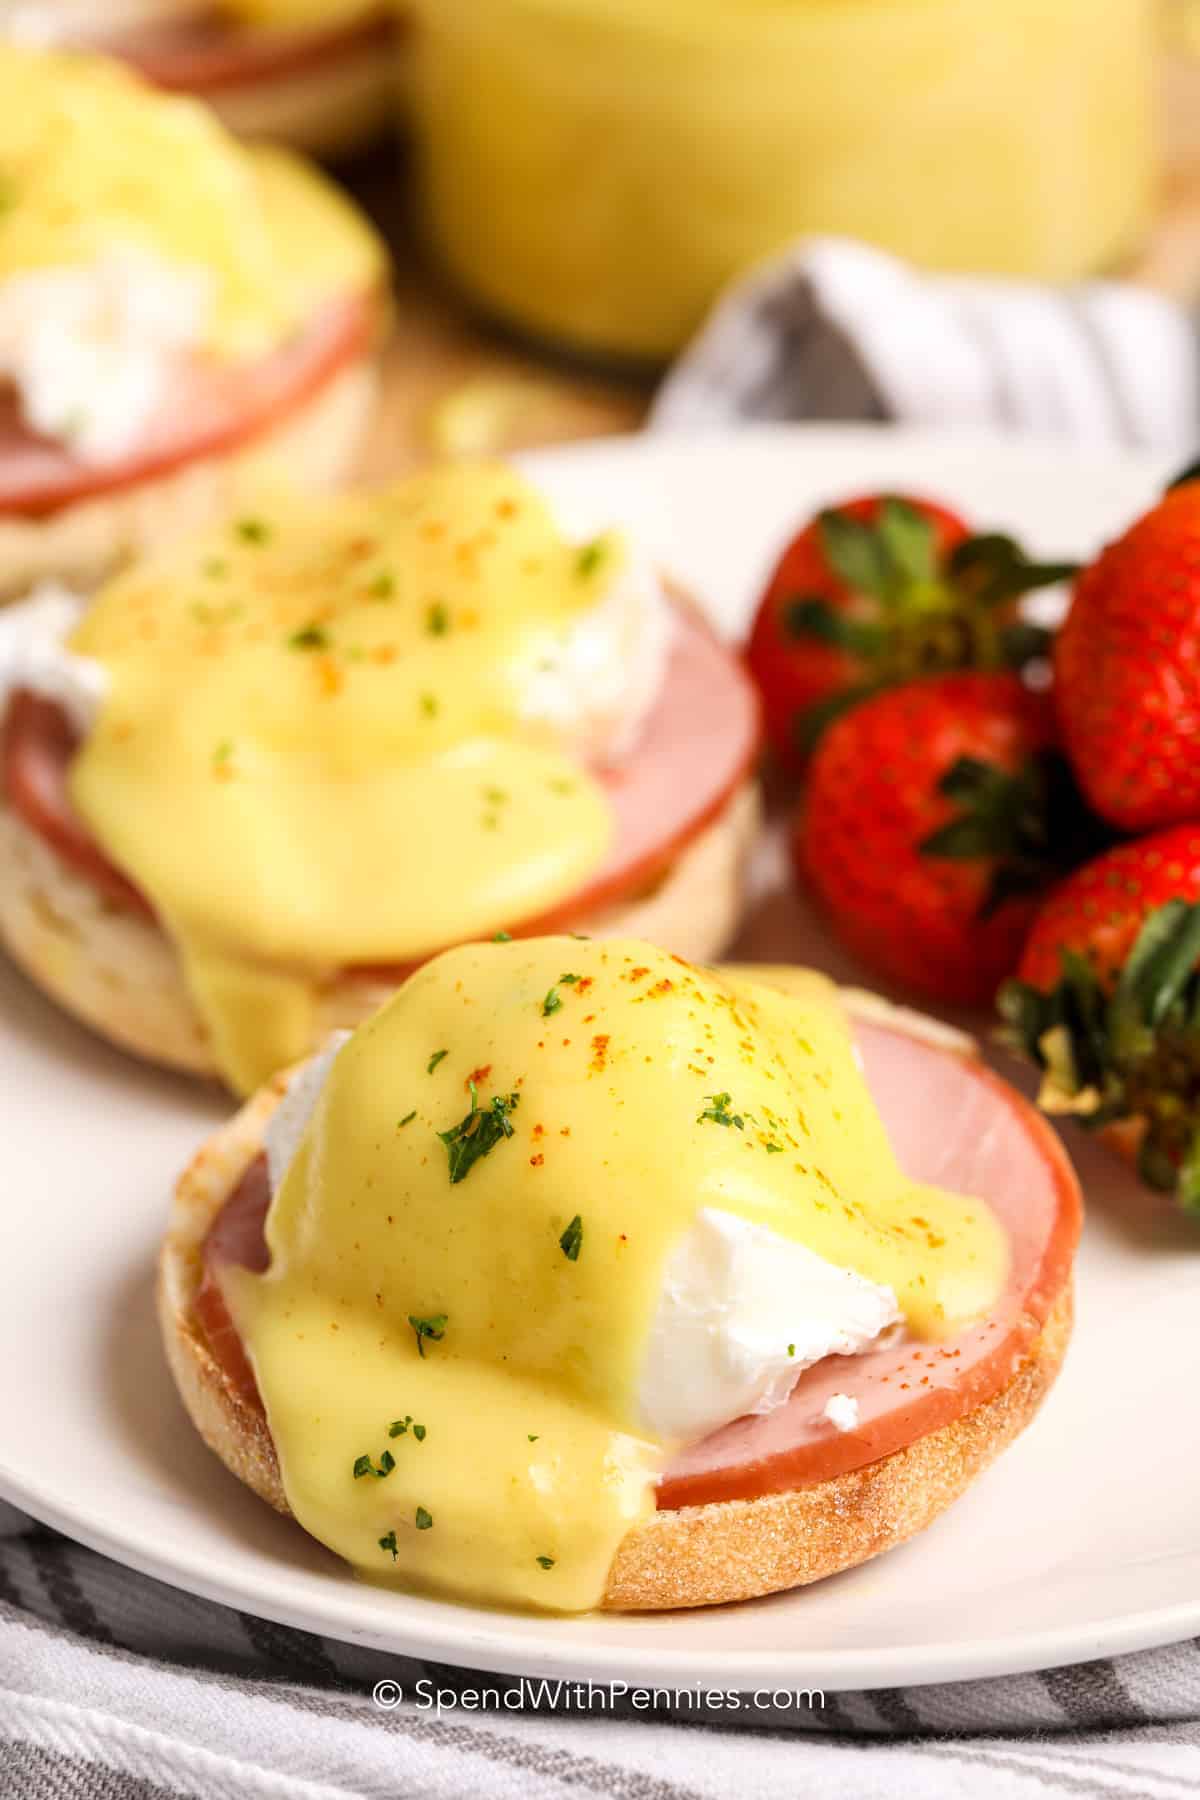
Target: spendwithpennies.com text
(542, 1694)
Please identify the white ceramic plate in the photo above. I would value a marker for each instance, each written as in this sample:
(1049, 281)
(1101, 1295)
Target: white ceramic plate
(1083, 1541)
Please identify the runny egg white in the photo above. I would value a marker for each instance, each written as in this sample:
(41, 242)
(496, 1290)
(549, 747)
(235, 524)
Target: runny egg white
(91, 348)
(34, 656)
(595, 684)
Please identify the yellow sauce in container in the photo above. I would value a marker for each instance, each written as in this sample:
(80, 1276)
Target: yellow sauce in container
(594, 171)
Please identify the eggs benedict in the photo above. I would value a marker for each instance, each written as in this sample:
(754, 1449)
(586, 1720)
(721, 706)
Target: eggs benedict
(320, 75)
(580, 1276)
(181, 319)
(269, 771)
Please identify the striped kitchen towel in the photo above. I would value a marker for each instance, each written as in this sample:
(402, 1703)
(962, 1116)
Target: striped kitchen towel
(113, 1687)
(837, 330)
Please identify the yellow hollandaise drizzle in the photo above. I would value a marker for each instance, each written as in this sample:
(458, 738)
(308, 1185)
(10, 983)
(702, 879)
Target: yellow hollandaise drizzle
(92, 158)
(312, 753)
(472, 1234)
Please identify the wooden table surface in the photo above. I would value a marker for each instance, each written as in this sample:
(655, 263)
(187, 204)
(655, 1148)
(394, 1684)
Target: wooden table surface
(452, 384)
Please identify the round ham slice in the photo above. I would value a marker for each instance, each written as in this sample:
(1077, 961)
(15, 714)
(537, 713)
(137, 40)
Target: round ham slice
(952, 1122)
(207, 54)
(697, 747)
(37, 742)
(214, 407)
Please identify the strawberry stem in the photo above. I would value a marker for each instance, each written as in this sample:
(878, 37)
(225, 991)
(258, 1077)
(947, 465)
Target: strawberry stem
(1132, 1054)
(913, 612)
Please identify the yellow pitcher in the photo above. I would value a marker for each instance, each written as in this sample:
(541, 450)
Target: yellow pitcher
(595, 170)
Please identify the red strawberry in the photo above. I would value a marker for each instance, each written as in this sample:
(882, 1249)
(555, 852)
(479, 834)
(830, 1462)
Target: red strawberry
(1127, 666)
(874, 592)
(931, 823)
(1108, 1003)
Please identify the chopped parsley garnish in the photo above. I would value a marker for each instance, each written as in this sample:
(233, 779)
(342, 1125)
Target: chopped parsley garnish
(407, 1119)
(479, 1132)
(773, 1149)
(437, 619)
(533, 1437)
(429, 705)
(553, 1001)
(589, 557)
(434, 1060)
(401, 1428)
(253, 531)
(364, 1466)
(423, 1519)
(309, 637)
(718, 1111)
(383, 586)
(433, 1328)
(214, 567)
(791, 1349)
(222, 753)
(545, 1562)
(389, 1543)
(502, 937)
(572, 1238)
(418, 1432)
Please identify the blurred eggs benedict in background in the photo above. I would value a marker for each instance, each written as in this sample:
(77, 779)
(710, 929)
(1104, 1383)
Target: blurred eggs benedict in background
(321, 75)
(271, 769)
(579, 1276)
(181, 318)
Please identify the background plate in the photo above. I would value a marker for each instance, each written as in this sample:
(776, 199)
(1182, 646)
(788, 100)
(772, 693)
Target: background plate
(1083, 1541)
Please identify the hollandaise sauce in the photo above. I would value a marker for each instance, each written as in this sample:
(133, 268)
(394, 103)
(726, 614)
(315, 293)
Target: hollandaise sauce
(313, 753)
(467, 1250)
(90, 157)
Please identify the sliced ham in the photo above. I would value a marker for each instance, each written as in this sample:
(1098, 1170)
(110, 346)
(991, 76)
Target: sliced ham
(37, 742)
(214, 408)
(952, 1122)
(697, 747)
(237, 1235)
(207, 53)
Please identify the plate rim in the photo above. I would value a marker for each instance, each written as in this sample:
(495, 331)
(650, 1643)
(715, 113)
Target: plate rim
(832, 1671)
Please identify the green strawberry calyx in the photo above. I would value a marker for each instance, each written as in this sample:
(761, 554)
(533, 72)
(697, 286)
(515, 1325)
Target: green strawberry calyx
(1031, 824)
(913, 612)
(1132, 1054)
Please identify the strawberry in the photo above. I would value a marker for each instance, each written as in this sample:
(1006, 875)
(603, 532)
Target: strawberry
(932, 821)
(1127, 670)
(1107, 1003)
(874, 592)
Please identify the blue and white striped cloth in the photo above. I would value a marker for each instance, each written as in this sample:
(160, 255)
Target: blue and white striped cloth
(837, 330)
(113, 1687)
